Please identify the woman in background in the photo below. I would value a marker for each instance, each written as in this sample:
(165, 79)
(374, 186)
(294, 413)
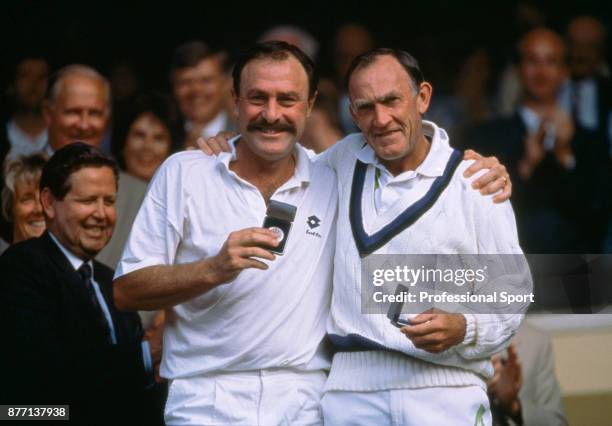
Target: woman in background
(142, 140)
(21, 197)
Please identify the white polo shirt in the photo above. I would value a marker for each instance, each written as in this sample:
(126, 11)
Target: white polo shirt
(263, 319)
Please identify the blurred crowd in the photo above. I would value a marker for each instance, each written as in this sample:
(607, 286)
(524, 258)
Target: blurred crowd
(546, 116)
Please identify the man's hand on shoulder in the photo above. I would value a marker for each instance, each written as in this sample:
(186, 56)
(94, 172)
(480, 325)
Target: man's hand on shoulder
(217, 144)
(491, 182)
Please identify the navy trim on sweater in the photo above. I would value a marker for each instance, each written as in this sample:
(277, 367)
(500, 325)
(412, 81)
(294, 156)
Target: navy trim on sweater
(366, 243)
(354, 343)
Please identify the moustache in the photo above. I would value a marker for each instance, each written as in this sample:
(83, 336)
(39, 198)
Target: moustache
(263, 126)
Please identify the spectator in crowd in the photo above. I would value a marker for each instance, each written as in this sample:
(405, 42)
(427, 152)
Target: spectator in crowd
(77, 108)
(142, 136)
(589, 91)
(536, 144)
(142, 143)
(470, 104)
(526, 16)
(588, 95)
(524, 389)
(20, 197)
(26, 130)
(350, 41)
(68, 343)
(200, 89)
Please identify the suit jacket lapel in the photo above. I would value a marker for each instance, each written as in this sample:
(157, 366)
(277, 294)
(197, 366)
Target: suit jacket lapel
(66, 274)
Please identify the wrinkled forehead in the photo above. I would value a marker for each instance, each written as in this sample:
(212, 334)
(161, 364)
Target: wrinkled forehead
(274, 76)
(77, 88)
(380, 78)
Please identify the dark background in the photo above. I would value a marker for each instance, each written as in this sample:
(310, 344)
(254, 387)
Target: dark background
(439, 33)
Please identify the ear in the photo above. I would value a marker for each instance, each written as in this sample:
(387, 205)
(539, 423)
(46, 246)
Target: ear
(311, 103)
(47, 200)
(424, 97)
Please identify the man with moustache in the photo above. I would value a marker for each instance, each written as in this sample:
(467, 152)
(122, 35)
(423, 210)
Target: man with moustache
(242, 342)
(65, 341)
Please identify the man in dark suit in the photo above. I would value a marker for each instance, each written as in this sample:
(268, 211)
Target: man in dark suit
(589, 94)
(552, 161)
(64, 341)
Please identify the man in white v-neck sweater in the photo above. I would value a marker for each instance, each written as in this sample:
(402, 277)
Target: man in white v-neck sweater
(402, 191)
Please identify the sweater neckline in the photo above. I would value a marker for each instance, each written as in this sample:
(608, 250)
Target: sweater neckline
(368, 243)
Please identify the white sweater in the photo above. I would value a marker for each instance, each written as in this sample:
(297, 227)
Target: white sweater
(460, 221)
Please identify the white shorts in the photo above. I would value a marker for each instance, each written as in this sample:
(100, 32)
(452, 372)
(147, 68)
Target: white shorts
(264, 397)
(436, 406)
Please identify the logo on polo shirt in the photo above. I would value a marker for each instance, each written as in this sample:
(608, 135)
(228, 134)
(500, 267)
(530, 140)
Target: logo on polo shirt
(313, 222)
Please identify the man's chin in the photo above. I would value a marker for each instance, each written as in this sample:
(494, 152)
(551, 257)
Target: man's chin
(92, 250)
(94, 244)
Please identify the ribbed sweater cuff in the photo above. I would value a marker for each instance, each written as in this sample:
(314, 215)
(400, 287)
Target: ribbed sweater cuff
(470, 330)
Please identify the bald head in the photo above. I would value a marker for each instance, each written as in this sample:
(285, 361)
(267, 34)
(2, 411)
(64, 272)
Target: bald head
(71, 72)
(542, 66)
(77, 107)
(541, 37)
(586, 37)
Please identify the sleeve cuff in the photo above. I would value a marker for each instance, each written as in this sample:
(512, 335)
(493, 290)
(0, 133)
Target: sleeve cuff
(470, 330)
